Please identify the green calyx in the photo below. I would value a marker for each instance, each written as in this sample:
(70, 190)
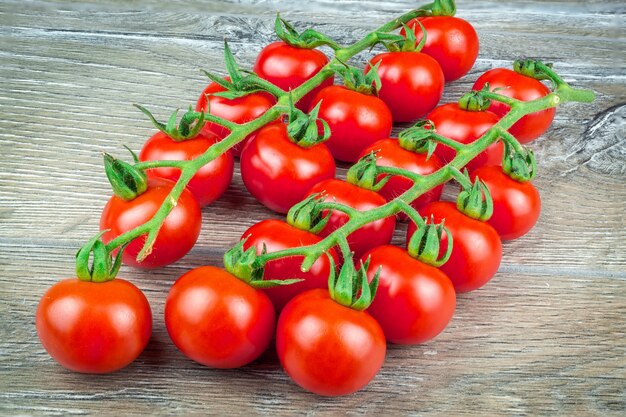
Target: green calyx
(425, 244)
(440, 8)
(406, 43)
(474, 200)
(356, 80)
(103, 268)
(303, 128)
(127, 181)
(351, 288)
(533, 69)
(308, 215)
(191, 124)
(364, 173)
(475, 100)
(308, 39)
(520, 165)
(419, 138)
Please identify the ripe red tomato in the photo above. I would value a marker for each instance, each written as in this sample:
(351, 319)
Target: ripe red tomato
(177, 235)
(477, 249)
(288, 67)
(94, 327)
(412, 83)
(516, 205)
(520, 87)
(356, 120)
(238, 110)
(465, 127)
(414, 301)
(327, 348)
(389, 153)
(218, 320)
(367, 237)
(276, 235)
(278, 173)
(209, 183)
(452, 41)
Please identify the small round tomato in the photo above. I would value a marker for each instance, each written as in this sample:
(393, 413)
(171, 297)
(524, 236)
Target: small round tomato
(412, 83)
(452, 41)
(327, 348)
(209, 183)
(520, 87)
(367, 237)
(465, 127)
(218, 320)
(237, 110)
(94, 327)
(477, 249)
(276, 235)
(414, 302)
(516, 205)
(288, 67)
(278, 172)
(356, 120)
(177, 235)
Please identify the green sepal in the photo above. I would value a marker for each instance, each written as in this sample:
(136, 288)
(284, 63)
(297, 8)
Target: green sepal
(442, 8)
(521, 166)
(307, 215)
(531, 68)
(418, 138)
(364, 173)
(356, 80)
(474, 200)
(190, 125)
(308, 39)
(406, 43)
(127, 181)
(425, 244)
(351, 288)
(302, 127)
(475, 101)
(103, 267)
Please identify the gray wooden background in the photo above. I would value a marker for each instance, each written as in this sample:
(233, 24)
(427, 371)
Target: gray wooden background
(545, 337)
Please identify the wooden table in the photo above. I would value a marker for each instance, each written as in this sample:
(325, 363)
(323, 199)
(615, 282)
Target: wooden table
(545, 337)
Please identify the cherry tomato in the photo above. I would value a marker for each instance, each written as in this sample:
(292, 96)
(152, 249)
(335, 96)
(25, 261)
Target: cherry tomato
(276, 235)
(465, 127)
(412, 83)
(218, 320)
(452, 41)
(367, 237)
(516, 205)
(209, 183)
(327, 348)
(477, 249)
(278, 173)
(414, 301)
(94, 327)
(389, 153)
(288, 67)
(356, 120)
(520, 87)
(177, 235)
(238, 110)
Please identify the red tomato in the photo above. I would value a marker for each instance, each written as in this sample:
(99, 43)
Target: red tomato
(327, 348)
(412, 83)
(210, 181)
(367, 237)
(218, 320)
(288, 67)
(516, 205)
(238, 110)
(94, 327)
(278, 173)
(177, 235)
(520, 87)
(389, 153)
(414, 301)
(276, 235)
(452, 41)
(477, 249)
(465, 127)
(356, 120)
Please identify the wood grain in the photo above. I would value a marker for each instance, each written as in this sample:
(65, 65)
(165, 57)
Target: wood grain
(545, 337)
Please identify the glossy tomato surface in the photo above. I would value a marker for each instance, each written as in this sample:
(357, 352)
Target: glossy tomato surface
(327, 348)
(218, 320)
(94, 327)
(356, 120)
(177, 235)
(278, 173)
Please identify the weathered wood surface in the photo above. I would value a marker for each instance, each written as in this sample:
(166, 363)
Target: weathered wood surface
(545, 337)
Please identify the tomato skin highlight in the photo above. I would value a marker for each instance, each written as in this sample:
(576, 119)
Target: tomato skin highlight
(276, 235)
(477, 250)
(94, 327)
(278, 173)
(356, 120)
(177, 235)
(414, 301)
(218, 320)
(516, 205)
(520, 87)
(327, 348)
(209, 183)
(288, 67)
